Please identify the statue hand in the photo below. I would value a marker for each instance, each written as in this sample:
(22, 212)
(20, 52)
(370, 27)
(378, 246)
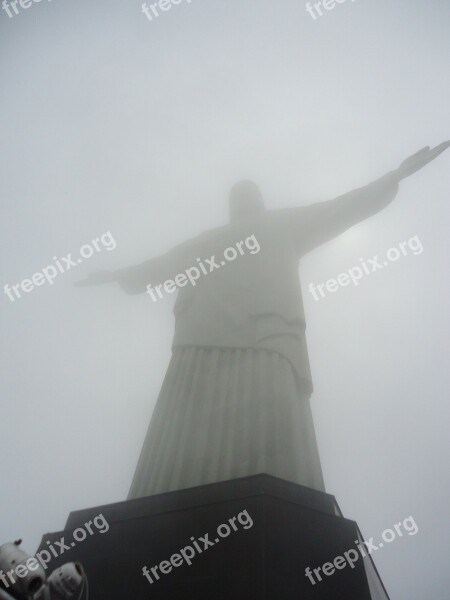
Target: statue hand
(98, 278)
(418, 160)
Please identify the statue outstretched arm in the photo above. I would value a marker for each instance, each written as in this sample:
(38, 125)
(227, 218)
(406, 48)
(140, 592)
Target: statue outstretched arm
(321, 222)
(136, 278)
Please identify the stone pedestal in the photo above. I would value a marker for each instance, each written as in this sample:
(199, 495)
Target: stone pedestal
(292, 528)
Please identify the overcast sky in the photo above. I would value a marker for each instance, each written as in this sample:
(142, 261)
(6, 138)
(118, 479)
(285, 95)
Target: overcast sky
(110, 122)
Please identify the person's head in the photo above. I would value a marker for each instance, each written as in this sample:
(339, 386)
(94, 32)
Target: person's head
(245, 200)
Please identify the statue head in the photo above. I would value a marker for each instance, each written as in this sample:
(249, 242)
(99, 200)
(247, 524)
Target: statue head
(245, 200)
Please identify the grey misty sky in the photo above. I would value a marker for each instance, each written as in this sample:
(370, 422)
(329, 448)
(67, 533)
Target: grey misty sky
(110, 122)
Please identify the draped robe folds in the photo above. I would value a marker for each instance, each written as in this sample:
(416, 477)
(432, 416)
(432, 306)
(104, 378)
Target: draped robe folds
(235, 399)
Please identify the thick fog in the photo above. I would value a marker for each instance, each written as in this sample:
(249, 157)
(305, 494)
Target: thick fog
(133, 131)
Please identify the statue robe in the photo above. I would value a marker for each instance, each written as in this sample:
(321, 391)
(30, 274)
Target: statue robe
(235, 399)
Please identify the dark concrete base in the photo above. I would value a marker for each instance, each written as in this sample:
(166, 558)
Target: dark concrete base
(293, 528)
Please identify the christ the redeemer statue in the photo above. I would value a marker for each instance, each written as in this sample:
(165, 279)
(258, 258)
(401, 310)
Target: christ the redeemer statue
(236, 397)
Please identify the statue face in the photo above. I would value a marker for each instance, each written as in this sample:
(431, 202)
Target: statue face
(245, 200)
